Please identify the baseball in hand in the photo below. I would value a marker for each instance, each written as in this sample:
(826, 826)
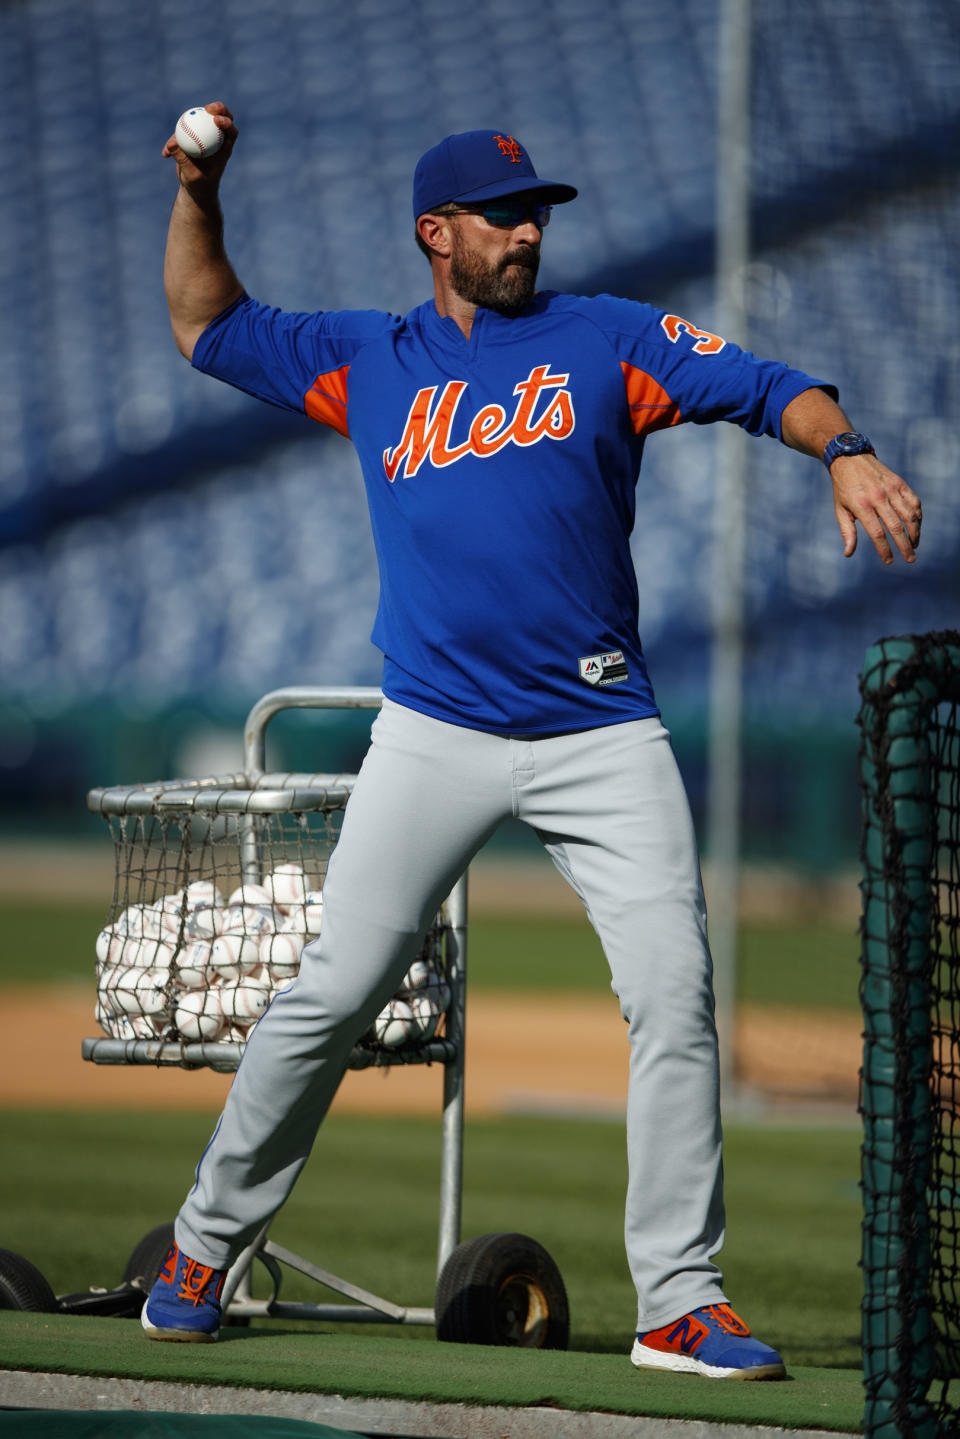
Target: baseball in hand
(198, 134)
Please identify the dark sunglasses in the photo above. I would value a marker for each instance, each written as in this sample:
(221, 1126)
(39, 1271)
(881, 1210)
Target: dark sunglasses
(508, 214)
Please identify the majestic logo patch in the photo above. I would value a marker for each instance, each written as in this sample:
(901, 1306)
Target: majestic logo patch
(544, 410)
(608, 669)
(509, 146)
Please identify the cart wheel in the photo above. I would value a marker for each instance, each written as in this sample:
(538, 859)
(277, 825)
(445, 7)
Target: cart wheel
(143, 1266)
(22, 1286)
(502, 1289)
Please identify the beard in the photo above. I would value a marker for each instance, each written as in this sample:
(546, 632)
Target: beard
(506, 286)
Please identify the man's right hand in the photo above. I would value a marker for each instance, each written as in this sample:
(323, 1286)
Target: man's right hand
(200, 177)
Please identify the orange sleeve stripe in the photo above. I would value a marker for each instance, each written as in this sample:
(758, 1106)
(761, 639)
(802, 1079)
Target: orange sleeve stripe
(326, 400)
(651, 408)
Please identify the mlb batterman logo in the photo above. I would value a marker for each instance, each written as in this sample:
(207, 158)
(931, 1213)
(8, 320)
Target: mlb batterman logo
(608, 669)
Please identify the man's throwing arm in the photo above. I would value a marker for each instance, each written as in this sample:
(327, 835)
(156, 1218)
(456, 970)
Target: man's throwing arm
(199, 280)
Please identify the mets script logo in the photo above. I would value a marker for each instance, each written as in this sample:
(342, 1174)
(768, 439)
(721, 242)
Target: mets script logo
(544, 410)
(509, 146)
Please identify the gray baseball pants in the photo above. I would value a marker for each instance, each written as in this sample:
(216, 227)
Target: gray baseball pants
(610, 807)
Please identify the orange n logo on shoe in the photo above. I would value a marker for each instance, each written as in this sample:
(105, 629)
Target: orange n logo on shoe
(169, 1267)
(686, 1335)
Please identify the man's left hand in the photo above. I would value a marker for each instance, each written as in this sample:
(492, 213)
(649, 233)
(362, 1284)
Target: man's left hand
(866, 492)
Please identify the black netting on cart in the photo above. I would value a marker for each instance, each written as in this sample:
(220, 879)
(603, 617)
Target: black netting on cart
(208, 921)
(910, 991)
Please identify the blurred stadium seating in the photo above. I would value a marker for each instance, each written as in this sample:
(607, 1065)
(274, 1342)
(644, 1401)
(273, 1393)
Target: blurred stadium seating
(164, 541)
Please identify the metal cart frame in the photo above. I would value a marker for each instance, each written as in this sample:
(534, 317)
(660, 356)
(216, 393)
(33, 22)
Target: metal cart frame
(258, 790)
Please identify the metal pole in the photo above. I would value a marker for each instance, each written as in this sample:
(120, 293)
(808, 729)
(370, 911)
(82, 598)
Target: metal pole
(255, 746)
(451, 1177)
(726, 678)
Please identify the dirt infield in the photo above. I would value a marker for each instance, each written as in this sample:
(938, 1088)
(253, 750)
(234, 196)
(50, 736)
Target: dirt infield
(562, 1054)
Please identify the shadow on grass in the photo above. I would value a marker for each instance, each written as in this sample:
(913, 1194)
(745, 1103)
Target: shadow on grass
(229, 1333)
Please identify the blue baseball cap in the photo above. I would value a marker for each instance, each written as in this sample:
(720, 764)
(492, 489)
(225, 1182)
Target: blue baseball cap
(479, 165)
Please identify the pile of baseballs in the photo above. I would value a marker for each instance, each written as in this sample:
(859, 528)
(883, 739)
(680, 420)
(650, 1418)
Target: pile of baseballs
(416, 1010)
(196, 965)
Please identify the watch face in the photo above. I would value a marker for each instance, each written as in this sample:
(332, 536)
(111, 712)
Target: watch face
(850, 442)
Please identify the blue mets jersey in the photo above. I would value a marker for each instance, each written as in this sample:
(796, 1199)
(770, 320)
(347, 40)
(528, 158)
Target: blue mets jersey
(501, 478)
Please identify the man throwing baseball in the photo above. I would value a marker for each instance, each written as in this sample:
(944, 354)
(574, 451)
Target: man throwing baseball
(500, 431)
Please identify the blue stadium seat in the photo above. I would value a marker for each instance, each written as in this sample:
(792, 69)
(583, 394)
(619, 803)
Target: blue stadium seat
(131, 566)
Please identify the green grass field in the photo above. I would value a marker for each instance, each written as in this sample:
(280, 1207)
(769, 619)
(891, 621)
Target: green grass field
(77, 1191)
(811, 963)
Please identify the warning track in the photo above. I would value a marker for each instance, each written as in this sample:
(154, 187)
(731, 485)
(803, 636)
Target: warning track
(564, 1054)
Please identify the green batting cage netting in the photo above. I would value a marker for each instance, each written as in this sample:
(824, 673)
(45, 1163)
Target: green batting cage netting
(910, 989)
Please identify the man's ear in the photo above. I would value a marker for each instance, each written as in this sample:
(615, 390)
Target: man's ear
(434, 231)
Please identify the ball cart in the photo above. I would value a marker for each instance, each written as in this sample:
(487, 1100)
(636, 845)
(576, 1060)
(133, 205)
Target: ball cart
(218, 885)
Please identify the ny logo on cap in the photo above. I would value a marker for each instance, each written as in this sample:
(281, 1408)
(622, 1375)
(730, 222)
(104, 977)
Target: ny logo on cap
(509, 146)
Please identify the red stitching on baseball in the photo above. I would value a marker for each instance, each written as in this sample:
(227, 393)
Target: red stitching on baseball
(193, 136)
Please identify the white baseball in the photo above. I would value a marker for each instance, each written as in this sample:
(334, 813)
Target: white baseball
(156, 923)
(106, 986)
(142, 953)
(281, 953)
(140, 919)
(260, 976)
(132, 1026)
(192, 963)
(253, 894)
(157, 953)
(234, 954)
(293, 921)
(172, 901)
(417, 975)
(203, 894)
(244, 1002)
(287, 885)
(395, 1025)
(138, 991)
(198, 1015)
(306, 918)
(203, 922)
(126, 951)
(313, 911)
(249, 919)
(130, 922)
(198, 134)
(106, 942)
(119, 946)
(167, 913)
(426, 1013)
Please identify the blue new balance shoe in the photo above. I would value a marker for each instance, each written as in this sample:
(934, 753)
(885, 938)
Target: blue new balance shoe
(184, 1304)
(713, 1342)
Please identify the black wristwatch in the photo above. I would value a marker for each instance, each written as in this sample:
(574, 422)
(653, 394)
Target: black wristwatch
(849, 443)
